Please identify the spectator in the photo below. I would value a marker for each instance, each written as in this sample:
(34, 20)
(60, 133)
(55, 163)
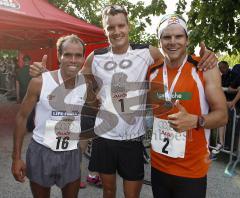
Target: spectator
(231, 80)
(226, 76)
(226, 73)
(22, 80)
(236, 71)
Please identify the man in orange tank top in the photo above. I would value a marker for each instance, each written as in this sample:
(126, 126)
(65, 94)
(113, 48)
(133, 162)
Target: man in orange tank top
(195, 103)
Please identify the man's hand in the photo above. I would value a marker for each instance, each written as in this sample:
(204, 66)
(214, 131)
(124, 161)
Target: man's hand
(37, 68)
(231, 104)
(208, 58)
(182, 120)
(19, 170)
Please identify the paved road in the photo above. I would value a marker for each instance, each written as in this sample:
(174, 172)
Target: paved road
(219, 186)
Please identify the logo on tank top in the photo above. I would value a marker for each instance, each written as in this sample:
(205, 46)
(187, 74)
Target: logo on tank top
(64, 113)
(174, 95)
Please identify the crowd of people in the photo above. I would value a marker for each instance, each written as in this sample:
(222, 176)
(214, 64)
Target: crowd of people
(8, 68)
(109, 91)
(230, 78)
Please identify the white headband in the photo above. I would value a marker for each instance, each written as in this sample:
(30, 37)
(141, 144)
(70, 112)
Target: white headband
(171, 19)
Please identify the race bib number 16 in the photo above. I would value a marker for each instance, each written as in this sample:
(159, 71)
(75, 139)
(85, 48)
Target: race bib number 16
(57, 135)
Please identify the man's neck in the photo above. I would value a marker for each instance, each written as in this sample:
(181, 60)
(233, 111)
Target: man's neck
(120, 50)
(175, 63)
(69, 81)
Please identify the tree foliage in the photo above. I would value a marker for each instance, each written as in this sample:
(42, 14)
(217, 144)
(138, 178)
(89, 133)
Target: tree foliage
(216, 22)
(8, 53)
(231, 59)
(181, 6)
(139, 15)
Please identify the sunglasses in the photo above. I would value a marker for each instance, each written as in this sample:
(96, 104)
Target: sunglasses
(114, 9)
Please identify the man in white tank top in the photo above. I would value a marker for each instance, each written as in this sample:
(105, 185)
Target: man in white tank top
(53, 156)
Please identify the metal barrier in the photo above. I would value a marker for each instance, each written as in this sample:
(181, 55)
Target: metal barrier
(231, 166)
(231, 128)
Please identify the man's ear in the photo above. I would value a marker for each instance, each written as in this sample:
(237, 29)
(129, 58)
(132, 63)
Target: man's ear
(159, 44)
(59, 58)
(105, 32)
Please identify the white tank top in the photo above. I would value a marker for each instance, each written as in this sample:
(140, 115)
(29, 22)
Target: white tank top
(48, 107)
(131, 66)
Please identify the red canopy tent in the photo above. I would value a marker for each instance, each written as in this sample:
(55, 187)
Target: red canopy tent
(33, 26)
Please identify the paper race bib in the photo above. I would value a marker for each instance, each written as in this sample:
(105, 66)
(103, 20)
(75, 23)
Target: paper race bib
(128, 102)
(62, 135)
(166, 141)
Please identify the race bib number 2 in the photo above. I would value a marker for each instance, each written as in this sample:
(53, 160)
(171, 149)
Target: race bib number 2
(57, 135)
(166, 141)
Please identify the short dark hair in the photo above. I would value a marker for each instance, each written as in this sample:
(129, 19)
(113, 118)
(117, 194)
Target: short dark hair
(223, 62)
(113, 10)
(72, 38)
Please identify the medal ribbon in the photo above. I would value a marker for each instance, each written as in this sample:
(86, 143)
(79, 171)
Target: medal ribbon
(167, 92)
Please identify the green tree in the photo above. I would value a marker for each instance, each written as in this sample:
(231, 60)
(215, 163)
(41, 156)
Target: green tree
(181, 6)
(231, 59)
(8, 53)
(139, 15)
(216, 22)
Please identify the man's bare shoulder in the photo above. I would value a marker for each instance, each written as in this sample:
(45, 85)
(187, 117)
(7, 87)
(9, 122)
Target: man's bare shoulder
(212, 72)
(212, 78)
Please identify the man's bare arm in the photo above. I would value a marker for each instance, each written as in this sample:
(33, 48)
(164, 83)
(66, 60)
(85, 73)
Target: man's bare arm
(26, 108)
(18, 91)
(29, 101)
(218, 115)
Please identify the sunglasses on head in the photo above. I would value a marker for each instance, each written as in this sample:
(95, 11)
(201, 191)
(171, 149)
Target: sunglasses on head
(114, 8)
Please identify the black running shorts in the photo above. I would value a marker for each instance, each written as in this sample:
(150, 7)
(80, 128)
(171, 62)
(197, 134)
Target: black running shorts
(124, 157)
(171, 186)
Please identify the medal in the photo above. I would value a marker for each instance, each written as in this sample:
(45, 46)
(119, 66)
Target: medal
(168, 104)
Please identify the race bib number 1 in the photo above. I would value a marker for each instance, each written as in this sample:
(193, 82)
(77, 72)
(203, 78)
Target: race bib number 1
(57, 135)
(166, 141)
